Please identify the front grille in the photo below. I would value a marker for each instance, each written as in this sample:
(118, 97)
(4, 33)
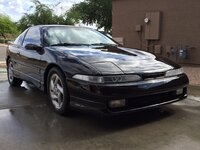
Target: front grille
(144, 101)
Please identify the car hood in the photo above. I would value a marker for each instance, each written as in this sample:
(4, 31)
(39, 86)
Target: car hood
(114, 60)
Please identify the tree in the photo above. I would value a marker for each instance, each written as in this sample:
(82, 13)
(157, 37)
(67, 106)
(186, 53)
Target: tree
(43, 14)
(7, 26)
(93, 12)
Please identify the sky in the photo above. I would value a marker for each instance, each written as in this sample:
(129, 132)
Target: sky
(16, 8)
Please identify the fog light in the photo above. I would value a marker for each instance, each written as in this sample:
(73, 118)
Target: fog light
(117, 103)
(179, 91)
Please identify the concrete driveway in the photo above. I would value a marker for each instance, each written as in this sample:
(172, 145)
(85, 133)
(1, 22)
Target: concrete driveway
(27, 122)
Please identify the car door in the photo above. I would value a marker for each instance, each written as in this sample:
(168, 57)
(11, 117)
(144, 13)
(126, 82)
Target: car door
(14, 53)
(30, 59)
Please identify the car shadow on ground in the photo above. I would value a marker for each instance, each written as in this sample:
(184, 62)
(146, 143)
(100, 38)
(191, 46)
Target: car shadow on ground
(124, 121)
(40, 122)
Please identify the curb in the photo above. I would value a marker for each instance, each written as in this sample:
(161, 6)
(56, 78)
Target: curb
(3, 45)
(2, 64)
(194, 98)
(3, 74)
(3, 70)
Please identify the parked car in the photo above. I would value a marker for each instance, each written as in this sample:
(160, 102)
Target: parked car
(82, 68)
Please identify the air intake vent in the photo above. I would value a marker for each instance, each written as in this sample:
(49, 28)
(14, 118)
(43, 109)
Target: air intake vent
(153, 75)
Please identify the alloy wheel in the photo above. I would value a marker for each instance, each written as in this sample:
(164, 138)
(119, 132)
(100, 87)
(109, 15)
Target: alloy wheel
(56, 91)
(10, 72)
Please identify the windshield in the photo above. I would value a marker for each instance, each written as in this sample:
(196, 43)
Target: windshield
(55, 36)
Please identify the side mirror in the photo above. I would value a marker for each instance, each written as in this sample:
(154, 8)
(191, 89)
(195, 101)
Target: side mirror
(33, 47)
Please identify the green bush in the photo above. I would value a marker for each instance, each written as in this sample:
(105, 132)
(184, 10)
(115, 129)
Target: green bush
(5, 40)
(2, 41)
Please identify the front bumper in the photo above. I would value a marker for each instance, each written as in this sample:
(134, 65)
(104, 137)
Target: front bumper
(138, 95)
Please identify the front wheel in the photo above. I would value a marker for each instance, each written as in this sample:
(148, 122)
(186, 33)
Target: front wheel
(10, 73)
(57, 91)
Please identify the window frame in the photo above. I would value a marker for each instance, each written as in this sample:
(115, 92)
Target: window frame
(41, 37)
(23, 34)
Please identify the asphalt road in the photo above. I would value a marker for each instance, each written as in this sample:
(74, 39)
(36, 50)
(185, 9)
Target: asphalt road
(27, 122)
(2, 53)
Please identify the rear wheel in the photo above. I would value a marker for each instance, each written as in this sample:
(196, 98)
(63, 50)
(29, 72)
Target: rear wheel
(10, 73)
(57, 91)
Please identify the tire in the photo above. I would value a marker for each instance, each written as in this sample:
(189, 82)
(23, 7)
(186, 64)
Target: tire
(57, 91)
(13, 81)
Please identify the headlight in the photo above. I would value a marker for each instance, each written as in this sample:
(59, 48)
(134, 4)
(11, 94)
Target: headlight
(174, 72)
(108, 79)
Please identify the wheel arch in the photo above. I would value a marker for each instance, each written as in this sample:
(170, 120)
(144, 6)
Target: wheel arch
(7, 59)
(49, 67)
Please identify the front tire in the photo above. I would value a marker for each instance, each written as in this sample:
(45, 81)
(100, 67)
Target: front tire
(13, 81)
(57, 91)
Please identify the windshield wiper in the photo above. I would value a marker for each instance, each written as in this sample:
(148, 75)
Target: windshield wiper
(103, 44)
(69, 44)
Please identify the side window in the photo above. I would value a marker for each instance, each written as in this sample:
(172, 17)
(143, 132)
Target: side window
(20, 39)
(32, 36)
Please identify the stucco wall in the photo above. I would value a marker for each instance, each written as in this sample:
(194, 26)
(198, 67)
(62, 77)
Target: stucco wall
(193, 73)
(180, 25)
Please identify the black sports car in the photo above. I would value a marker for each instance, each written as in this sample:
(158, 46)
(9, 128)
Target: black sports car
(83, 68)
